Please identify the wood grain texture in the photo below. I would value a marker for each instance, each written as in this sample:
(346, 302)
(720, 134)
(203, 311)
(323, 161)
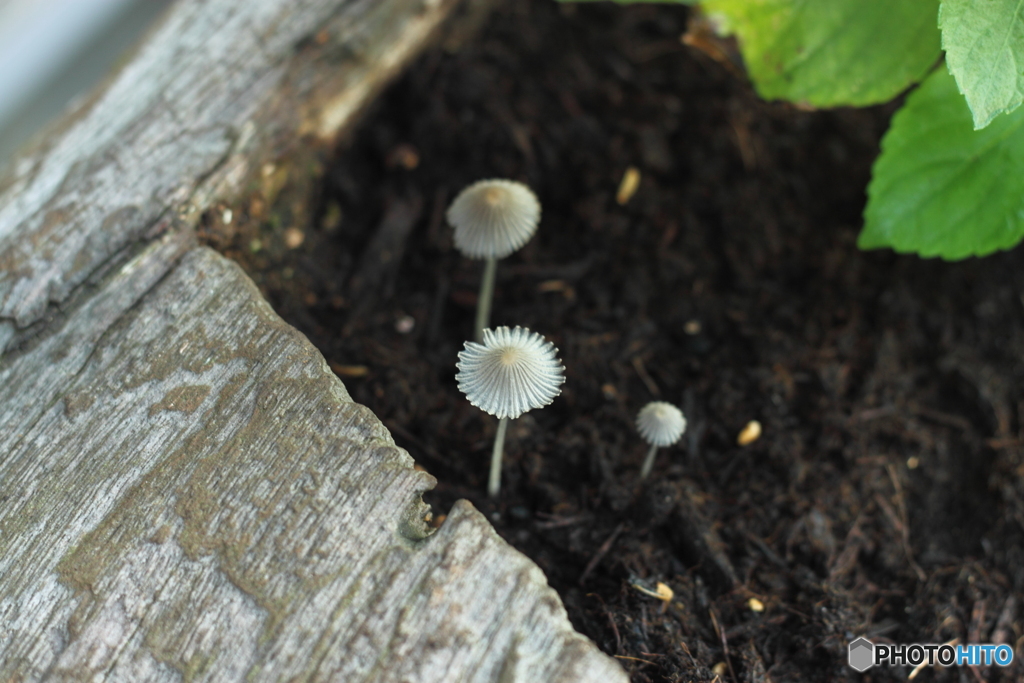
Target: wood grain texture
(219, 87)
(186, 491)
(198, 497)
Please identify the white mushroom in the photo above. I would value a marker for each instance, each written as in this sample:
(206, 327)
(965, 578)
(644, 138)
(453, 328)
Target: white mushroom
(492, 219)
(510, 373)
(660, 424)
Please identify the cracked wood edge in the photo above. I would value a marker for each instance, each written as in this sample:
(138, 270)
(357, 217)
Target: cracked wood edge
(218, 88)
(195, 496)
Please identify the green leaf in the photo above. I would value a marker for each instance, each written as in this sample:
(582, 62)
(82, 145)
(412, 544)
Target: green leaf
(941, 188)
(832, 52)
(984, 43)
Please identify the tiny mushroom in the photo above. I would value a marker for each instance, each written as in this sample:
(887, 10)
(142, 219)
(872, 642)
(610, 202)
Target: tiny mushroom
(492, 219)
(510, 373)
(660, 424)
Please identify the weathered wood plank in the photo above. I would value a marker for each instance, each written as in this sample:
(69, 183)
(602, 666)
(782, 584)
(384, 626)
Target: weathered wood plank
(201, 498)
(218, 88)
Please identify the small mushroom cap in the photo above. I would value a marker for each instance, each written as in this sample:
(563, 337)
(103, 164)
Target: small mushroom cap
(660, 423)
(493, 218)
(512, 372)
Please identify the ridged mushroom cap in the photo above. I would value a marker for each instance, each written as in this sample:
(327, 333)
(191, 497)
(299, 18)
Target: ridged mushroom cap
(660, 423)
(493, 218)
(512, 372)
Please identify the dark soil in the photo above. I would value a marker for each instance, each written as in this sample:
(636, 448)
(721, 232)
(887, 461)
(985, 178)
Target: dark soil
(885, 495)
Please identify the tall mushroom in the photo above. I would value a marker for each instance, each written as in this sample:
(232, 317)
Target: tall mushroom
(510, 373)
(660, 424)
(492, 219)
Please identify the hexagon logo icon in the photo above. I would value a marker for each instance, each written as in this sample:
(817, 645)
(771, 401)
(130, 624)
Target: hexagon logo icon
(862, 654)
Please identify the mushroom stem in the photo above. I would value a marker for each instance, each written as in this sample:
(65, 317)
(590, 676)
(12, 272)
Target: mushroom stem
(483, 302)
(494, 481)
(648, 462)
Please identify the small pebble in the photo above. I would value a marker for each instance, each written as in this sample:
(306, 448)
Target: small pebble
(661, 591)
(350, 370)
(405, 324)
(293, 238)
(750, 433)
(628, 186)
